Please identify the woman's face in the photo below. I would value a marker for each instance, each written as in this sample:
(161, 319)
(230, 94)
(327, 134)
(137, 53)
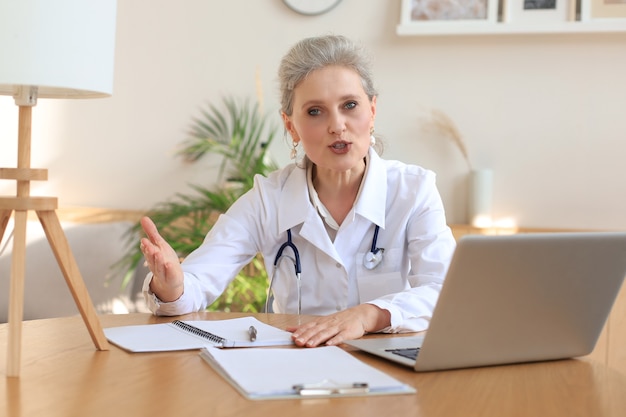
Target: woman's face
(332, 118)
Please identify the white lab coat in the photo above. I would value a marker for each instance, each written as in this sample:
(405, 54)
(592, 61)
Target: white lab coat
(402, 199)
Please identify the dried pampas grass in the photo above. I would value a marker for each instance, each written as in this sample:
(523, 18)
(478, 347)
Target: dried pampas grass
(440, 123)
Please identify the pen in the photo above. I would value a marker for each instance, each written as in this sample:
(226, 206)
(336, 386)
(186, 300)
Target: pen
(252, 333)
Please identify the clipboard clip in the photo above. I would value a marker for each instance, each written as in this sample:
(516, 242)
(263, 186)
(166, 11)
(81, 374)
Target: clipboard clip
(325, 388)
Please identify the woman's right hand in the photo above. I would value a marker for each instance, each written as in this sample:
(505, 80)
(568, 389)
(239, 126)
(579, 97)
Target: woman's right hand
(167, 279)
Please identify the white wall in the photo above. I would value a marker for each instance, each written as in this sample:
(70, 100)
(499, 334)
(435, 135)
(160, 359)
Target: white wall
(546, 112)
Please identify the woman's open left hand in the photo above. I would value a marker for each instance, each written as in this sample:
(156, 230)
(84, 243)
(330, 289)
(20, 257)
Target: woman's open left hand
(167, 274)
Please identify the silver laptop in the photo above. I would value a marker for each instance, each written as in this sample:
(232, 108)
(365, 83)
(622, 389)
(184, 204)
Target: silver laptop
(517, 298)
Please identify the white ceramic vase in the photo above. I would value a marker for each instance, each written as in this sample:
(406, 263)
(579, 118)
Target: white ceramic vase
(480, 197)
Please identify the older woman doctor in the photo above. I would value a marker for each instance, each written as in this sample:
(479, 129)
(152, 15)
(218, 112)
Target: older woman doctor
(371, 236)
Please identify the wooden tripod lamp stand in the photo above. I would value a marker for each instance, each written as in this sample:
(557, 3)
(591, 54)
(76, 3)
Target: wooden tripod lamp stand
(49, 49)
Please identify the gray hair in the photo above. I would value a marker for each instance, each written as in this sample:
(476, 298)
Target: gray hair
(311, 54)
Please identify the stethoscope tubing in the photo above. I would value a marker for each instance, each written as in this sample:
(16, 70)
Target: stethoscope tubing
(296, 254)
(367, 262)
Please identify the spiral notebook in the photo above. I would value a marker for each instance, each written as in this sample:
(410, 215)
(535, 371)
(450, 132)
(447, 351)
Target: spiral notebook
(196, 334)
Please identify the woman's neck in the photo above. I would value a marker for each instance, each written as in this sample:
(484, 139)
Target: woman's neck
(338, 190)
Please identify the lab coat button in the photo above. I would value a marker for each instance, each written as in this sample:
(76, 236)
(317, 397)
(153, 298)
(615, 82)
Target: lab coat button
(338, 265)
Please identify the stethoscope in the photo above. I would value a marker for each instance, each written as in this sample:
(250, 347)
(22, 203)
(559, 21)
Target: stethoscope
(371, 260)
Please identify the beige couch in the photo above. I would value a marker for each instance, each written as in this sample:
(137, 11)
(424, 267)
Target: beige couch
(96, 247)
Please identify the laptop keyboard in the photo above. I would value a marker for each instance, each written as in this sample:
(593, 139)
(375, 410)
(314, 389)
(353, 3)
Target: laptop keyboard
(410, 353)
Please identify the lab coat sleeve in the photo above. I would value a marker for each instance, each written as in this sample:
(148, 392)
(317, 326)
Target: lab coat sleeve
(208, 270)
(188, 302)
(430, 246)
(229, 246)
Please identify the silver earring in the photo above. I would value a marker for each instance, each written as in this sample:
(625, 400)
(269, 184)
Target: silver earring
(294, 150)
(372, 138)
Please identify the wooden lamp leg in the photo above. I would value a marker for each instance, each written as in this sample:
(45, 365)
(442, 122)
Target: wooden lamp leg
(45, 208)
(58, 242)
(16, 294)
(5, 215)
(18, 262)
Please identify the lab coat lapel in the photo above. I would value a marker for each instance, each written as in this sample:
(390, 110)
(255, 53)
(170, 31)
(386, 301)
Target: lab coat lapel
(313, 230)
(295, 209)
(294, 205)
(373, 198)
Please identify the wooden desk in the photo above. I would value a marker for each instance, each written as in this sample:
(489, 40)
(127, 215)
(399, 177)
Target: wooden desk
(63, 375)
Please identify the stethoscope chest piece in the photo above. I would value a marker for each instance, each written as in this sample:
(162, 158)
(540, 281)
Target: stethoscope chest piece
(372, 259)
(375, 255)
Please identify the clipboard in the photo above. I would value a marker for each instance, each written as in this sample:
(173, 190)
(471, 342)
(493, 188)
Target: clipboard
(284, 373)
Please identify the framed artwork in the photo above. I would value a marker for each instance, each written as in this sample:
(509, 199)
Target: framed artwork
(538, 11)
(602, 9)
(448, 12)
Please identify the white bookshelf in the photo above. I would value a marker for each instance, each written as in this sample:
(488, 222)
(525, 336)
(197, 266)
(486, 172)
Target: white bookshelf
(503, 28)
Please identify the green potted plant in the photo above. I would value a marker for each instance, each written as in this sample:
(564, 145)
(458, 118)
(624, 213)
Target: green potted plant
(240, 135)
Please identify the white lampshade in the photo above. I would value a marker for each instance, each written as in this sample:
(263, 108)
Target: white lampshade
(63, 47)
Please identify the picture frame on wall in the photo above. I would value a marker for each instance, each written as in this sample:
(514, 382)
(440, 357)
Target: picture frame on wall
(538, 11)
(602, 10)
(435, 15)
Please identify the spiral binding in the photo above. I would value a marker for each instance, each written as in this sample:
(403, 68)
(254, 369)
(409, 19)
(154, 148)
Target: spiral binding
(199, 332)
